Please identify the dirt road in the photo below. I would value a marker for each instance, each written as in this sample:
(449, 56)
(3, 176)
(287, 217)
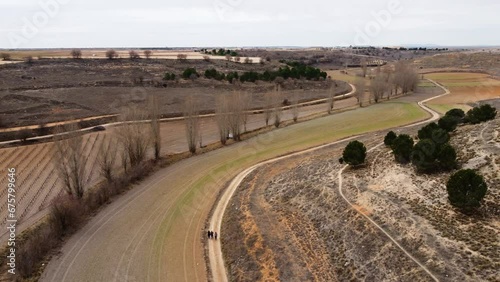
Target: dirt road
(434, 116)
(256, 119)
(155, 231)
(216, 259)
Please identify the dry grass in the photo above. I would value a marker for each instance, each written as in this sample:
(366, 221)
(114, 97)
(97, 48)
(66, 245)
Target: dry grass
(466, 89)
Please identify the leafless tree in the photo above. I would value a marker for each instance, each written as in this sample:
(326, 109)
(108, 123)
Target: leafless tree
(378, 86)
(124, 156)
(235, 115)
(228, 57)
(107, 157)
(70, 160)
(330, 101)
(76, 53)
(206, 58)
(154, 111)
(268, 106)
(405, 77)
(221, 117)
(295, 108)
(246, 104)
(192, 119)
(360, 84)
(148, 54)
(111, 54)
(181, 57)
(387, 73)
(5, 56)
(133, 136)
(237, 59)
(364, 67)
(248, 60)
(277, 103)
(133, 55)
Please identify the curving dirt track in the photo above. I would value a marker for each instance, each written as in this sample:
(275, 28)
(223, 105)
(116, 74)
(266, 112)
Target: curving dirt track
(155, 231)
(39, 182)
(215, 255)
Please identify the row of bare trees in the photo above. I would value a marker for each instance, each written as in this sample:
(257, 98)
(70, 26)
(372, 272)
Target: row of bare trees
(128, 142)
(231, 115)
(388, 82)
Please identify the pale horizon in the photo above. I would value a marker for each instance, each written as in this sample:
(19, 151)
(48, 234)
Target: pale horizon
(94, 24)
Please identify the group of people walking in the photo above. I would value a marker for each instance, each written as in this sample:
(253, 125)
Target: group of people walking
(212, 235)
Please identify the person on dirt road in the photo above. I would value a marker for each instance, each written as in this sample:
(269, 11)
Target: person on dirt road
(215, 235)
(208, 234)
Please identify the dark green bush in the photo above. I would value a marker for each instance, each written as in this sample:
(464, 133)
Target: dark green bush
(402, 147)
(426, 131)
(169, 76)
(354, 153)
(423, 156)
(389, 138)
(440, 136)
(458, 113)
(448, 123)
(190, 73)
(466, 189)
(447, 157)
(480, 114)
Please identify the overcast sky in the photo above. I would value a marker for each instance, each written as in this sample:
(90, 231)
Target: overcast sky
(164, 23)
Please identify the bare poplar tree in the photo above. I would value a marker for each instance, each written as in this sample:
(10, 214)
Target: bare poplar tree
(107, 157)
(235, 116)
(192, 119)
(364, 67)
(70, 160)
(405, 77)
(268, 106)
(124, 157)
(277, 103)
(154, 111)
(378, 87)
(134, 136)
(330, 101)
(387, 72)
(360, 84)
(221, 113)
(246, 104)
(295, 108)
(148, 54)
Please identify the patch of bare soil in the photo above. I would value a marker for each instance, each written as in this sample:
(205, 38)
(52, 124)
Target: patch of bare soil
(59, 89)
(311, 232)
(415, 206)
